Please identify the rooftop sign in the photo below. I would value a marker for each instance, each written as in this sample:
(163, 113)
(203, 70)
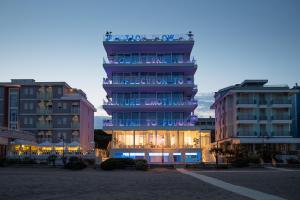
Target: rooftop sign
(137, 38)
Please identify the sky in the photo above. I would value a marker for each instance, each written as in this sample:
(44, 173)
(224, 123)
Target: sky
(234, 39)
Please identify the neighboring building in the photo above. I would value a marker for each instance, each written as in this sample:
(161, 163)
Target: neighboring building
(296, 112)
(207, 124)
(255, 115)
(58, 115)
(150, 96)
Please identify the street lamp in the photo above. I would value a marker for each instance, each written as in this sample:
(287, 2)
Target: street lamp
(163, 142)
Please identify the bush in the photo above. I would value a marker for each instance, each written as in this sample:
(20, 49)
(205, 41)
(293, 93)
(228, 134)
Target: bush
(254, 159)
(27, 160)
(52, 159)
(75, 163)
(240, 162)
(292, 161)
(2, 162)
(117, 163)
(141, 164)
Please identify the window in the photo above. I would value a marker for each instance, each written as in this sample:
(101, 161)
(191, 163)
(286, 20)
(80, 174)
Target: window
(26, 91)
(30, 120)
(64, 106)
(31, 106)
(25, 106)
(59, 90)
(25, 120)
(64, 120)
(31, 91)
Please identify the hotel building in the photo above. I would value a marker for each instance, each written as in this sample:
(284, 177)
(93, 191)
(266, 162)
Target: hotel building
(56, 114)
(150, 97)
(255, 115)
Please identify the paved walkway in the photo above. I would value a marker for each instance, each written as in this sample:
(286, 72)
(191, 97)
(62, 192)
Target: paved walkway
(244, 191)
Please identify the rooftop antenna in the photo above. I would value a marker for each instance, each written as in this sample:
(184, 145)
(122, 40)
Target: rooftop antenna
(190, 34)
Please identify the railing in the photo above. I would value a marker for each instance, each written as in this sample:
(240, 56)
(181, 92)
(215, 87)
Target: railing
(44, 111)
(246, 101)
(44, 95)
(263, 117)
(280, 101)
(281, 117)
(246, 133)
(281, 133)
(153, 123)
(143, 81)
(75, 110)
(44, 125)
(263, 102)
(246, 117)
(154, 60)
(75, 125)
(151, 102)
(148, 37)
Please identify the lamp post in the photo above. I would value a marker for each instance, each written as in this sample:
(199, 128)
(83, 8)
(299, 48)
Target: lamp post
(63, 150)
(163, 142)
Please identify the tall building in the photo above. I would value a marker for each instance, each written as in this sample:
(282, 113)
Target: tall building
(52, 111)
(150, 97)
(253, 114)
(296, 113)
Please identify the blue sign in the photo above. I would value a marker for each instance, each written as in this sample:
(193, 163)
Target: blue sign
(136, 38)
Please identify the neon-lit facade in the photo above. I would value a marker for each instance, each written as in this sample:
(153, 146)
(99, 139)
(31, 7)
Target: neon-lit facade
(150, 97)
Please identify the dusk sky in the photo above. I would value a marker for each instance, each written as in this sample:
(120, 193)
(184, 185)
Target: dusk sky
(234, 40)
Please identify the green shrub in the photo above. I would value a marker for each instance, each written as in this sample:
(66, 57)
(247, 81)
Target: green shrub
(254, 159)
(292, 161)
(2, 162)
(75, 163)
(141, 164)
(117, 163)
(27, 160)
(52, 159)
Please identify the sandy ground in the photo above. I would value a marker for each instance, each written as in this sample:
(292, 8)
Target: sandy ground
(52, 183)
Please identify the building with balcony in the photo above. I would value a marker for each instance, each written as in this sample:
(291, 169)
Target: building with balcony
(150, 97)
(255, 115)
(58, 115)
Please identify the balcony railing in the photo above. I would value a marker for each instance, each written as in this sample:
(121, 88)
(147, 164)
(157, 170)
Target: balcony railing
(75, 125)
(44, 111)
(246, 101)
(246, 133)
(144, 81)
(44, 95)
(151, 102)
(263, 117)
(150, 123)
(281, 117)
(153, 60)
(280, 101)
(44, 125)
(75, 110)
(281, 133)
(246, 117)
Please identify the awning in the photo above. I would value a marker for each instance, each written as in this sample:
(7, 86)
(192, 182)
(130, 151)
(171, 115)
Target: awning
(23, 142)
(46, 144)
(74, 144)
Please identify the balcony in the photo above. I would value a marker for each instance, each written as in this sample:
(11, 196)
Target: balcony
(153, 60)
(44, 125)
(246, 117)
(281, 117)
(44, 95)
(147, 123)
(151, 102)
(75, 125)
(75, 110)
(133, 80)
(281, 133)
(44, 111)
(246, 133)
(281, 103)
(246, 101)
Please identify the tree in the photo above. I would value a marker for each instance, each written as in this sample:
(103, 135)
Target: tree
(216, 151)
